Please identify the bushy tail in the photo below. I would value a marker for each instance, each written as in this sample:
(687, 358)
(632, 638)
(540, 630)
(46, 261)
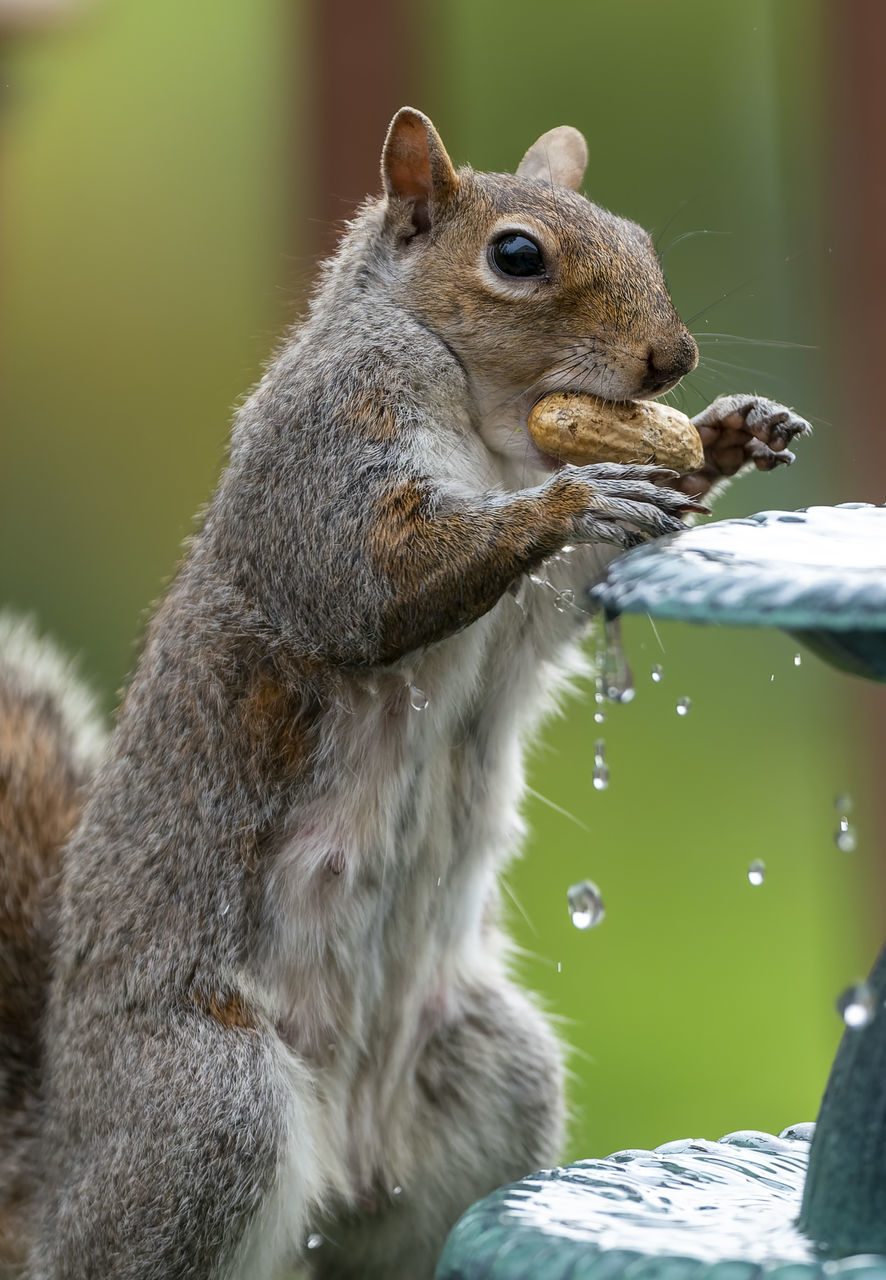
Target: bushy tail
(50, 742)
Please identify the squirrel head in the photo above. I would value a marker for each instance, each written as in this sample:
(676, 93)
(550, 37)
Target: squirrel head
(533, 287)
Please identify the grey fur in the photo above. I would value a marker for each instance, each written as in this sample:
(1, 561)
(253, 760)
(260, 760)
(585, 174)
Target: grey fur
(280, 1002)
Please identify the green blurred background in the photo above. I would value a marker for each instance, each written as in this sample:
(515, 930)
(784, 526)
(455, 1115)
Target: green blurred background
(159, 169)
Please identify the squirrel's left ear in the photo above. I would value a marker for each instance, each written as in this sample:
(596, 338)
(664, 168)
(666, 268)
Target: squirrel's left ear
(560, 157)
(415, 167)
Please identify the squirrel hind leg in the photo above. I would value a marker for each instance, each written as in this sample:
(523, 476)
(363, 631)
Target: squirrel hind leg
(50, 740)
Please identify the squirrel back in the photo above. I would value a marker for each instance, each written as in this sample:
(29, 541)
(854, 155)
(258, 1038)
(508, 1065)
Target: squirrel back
(50, 740)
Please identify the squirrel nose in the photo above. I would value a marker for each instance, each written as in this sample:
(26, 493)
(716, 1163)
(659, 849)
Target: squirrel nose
(667, 362)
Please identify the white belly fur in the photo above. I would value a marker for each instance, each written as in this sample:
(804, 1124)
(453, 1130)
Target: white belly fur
(363, 964)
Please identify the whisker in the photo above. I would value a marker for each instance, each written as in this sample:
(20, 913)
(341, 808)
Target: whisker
(670, 222)
(536, 795)
(743, 368)
(687, 235)
(513, 897)
(717, 302)
(735, 338)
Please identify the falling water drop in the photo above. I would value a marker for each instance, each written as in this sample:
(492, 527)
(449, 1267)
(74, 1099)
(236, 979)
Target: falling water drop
(757, 871)
(683, 705)
(856, 1005)
(563, 600)
(314, 1240)
(585, 905)
(599, 717)
(844, 837)
(657, 674)
(617, 680)
(600, 775)
(418, 699)
(798, 659)
(396, 1191)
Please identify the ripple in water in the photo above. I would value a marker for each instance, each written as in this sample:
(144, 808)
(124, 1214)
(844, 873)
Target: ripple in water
(737, 1198)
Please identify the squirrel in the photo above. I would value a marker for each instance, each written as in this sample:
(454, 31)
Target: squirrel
(256, 1014)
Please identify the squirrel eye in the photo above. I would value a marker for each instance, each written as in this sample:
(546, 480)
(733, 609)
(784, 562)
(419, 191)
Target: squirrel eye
(516, 255)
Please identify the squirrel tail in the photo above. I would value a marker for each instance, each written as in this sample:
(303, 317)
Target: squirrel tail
(50, 743)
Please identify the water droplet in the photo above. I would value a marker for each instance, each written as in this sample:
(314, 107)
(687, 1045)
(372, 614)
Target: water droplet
(585, 905)
(843, 802)
(772, 677)
(856, 1005)
(314, 1240)
(683, 705)
(418, 699)
(396, 1191)
(566, 550)
(559, 966)
(600, 777)
(563, 600)
(757, 871)
(657, 674)
(622, 694)
(844, 837)
(798, 659)
(538, 580)
(617, 680)
(599, 717)
(599, 751)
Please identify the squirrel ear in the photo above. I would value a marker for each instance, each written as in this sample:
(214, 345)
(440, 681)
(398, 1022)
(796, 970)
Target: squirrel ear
(415, 166)
(560, 157)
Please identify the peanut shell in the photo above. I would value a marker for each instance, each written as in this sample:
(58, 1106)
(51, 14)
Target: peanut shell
(582, 429)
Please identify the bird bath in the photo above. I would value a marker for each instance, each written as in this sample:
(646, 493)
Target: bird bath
(810, 1203)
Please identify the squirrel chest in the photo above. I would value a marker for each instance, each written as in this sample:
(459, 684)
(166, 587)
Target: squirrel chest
(383, 886)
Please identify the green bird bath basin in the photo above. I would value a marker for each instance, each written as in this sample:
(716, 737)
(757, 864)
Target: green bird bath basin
(809, 1204)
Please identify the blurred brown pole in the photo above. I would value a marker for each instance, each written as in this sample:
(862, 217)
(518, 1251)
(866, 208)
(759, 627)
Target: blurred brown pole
(855, 40)
(363, 67)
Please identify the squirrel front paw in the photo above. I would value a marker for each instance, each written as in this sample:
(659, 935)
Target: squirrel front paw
(628, 503)
(740, 430)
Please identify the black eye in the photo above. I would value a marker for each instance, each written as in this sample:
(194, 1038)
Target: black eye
(517, 255)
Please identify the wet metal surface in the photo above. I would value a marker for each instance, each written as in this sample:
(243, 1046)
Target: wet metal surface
(723, 1210)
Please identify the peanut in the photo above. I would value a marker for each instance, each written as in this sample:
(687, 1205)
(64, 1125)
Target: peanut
(582, 429)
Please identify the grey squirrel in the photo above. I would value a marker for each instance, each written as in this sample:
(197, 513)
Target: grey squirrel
(278, 1027)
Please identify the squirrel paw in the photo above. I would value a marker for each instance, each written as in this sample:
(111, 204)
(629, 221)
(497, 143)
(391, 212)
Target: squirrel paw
(740, 430)
(629, 503)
